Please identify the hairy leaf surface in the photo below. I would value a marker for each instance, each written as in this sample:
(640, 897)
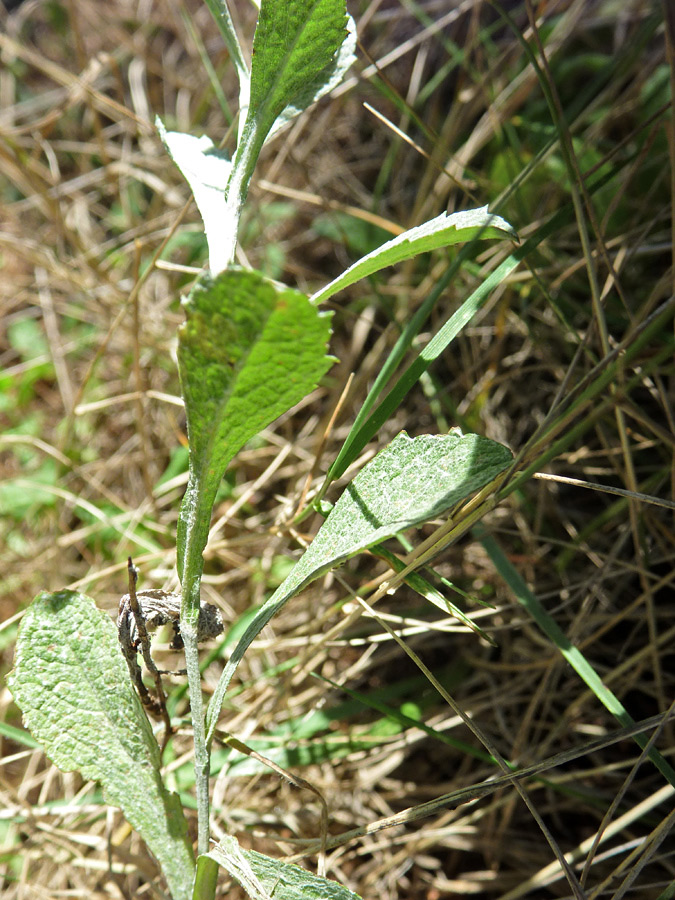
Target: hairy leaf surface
(72, 685)
(266, 878)
(247, 353)
(444, 230)
(409, 482)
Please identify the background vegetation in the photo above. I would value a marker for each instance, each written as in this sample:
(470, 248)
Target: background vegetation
(96, 245)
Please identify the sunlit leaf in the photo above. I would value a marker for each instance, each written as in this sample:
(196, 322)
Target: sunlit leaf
(409, 482)
(266, 878)
(444, 230)
(72, 684)
(248, 352)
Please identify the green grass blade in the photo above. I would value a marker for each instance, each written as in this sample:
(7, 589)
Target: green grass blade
(425, 589)
(359, 437)
(571, 653)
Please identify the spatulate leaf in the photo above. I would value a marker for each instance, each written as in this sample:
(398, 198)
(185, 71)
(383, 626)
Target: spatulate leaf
(266, 878)
(248, 352)
(409, 482)
(295, 52)
(72, 685)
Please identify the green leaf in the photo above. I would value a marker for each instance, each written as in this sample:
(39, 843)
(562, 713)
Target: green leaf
(247, 353)
(296, 57)
(444, 230)
(72, 684)
(301, 52)
(264, 878)
(409, 482)
(367, 423)
(327, 79)
(295, 53)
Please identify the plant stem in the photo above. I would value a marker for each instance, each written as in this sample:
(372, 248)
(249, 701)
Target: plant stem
(198, 505)
(195, 513)
(243, 165)
(206, 879)
(202, 762)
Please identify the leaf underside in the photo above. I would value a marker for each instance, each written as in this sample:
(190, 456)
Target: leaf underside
(72, 685)
(409, 482)
(266, 878)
